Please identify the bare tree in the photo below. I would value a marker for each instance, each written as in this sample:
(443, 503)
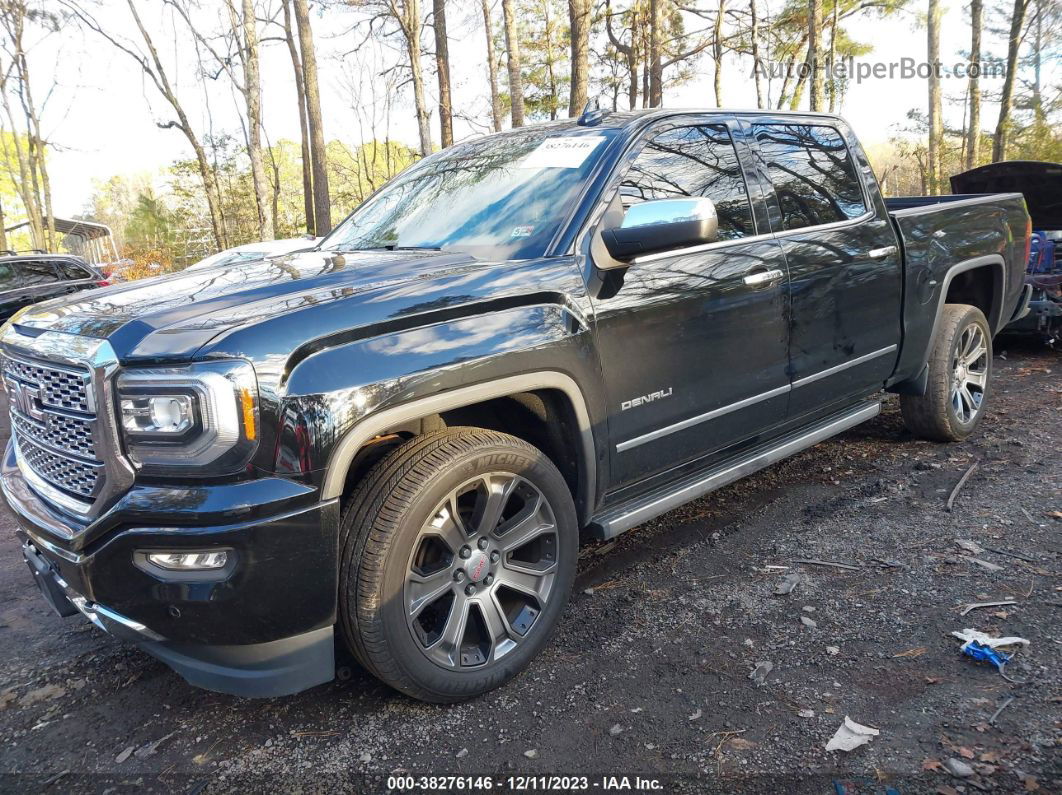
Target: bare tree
(492, 68)
(245, 32)
(628, 51)
(717, 53)
(833, 58)
(1017, 22)
(579, 19)
(442, 66)
(935, 133)
(973, 134)
(818, 102)
(36, 191)
(151, 65)
(656, 53)
(756, 62)
(516, 82)
(304, 135)
(322, 204)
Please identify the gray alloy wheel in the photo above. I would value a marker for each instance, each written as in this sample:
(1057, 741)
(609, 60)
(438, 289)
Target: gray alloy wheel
(970, 373)
(959, 380)
(482, 571)
(457, 554)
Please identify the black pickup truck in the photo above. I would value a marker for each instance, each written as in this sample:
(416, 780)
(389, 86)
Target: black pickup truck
(398, 437)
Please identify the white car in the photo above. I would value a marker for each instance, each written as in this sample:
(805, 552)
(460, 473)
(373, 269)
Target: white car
(251, 252)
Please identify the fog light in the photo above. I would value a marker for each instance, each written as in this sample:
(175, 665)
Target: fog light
(189, 561)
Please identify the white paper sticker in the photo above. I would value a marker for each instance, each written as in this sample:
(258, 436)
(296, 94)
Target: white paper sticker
(563, 152)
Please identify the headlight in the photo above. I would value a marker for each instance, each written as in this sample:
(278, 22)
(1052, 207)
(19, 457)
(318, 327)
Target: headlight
(203, 417)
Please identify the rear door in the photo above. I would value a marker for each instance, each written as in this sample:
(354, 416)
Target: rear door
(10, 292)
(693, 342)
(845, 268)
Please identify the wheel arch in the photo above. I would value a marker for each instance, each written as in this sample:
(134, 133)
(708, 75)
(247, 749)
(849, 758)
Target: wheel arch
(362, 436)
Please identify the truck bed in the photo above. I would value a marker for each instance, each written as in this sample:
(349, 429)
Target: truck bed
(939, 232)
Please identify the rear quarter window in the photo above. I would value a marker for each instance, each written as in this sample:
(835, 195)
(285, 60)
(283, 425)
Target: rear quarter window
(813, 175)
(34, 273)
(71, 271)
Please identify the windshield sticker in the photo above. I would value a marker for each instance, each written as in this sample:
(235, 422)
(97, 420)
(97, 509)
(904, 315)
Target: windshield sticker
(522, 231)
(564, 152)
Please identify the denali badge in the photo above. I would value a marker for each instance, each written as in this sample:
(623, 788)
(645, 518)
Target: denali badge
(642, 400)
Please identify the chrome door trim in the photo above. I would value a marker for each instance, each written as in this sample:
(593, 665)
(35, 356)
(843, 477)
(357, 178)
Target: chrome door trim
(711, 415)
(810, 379)
(611, 525)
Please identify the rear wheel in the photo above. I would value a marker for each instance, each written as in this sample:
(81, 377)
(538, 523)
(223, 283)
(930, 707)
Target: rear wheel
(459, 553)
(960, 371)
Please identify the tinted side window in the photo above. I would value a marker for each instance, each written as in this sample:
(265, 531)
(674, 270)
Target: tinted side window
(37, 273)
(813, 174)
(693, 161)
(68, 270)
(8, 281)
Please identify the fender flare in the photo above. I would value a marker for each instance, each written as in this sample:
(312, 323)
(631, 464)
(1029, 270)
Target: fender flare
(379, 422)
(996, 314)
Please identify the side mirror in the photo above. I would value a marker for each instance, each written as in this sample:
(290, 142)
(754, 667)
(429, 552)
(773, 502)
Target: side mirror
(661, 225)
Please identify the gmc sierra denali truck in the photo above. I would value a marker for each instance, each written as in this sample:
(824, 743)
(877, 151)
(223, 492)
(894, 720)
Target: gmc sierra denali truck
(396, 439)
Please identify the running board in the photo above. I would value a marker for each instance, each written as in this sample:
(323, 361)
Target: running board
(622, 518)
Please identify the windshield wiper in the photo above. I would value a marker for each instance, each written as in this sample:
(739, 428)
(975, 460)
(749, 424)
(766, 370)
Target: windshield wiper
(414, 248)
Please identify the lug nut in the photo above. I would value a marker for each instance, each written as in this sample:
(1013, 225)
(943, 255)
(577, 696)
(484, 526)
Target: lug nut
(459, 575)
(470, 589)
(489, 580)
(466, 552)
(495, 556)
(483, 543)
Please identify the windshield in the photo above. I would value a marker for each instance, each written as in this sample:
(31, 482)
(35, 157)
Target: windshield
(501, 197)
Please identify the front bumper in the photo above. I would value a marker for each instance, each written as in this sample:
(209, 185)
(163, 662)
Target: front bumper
(264, 628)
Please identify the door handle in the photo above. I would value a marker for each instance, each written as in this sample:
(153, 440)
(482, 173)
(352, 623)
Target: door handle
(878, 253)
(760, 278)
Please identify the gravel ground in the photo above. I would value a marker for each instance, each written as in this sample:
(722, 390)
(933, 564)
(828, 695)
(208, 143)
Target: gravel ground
(649, 673)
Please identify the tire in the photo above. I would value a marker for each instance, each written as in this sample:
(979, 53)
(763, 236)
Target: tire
(409, 573)
(960, 378)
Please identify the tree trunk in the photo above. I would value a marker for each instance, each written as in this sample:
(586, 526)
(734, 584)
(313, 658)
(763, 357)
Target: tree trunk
(755, 36)
(161, 80)
(1017, 22)
(304, 136)
(322, 204)
(516, 83)
(3, 229)
(492, 68)
(442, 66)
(252, 90)
(629, 52)
(551, 77)
(933, 30)
(973, 134)
(656, 60)
(818, 102)
(717, 53)
(832, 86)
(579, 18)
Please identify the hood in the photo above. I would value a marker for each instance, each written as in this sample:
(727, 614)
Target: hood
(181, 312)
(1041, 184)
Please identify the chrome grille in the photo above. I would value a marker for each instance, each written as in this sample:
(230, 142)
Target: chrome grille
(53, 426)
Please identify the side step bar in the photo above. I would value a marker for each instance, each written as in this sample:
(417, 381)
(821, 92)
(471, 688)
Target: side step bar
(622, 518)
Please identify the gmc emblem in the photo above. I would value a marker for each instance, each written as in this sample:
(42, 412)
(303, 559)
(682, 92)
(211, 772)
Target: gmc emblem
(25, 398)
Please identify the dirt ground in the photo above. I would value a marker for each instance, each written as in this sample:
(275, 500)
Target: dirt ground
(649, 674)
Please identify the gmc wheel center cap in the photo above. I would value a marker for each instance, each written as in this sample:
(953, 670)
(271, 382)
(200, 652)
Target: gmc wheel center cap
(477, 566)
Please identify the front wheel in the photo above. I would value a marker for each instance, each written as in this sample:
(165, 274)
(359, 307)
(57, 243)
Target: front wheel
(459, 552)
(960, 372)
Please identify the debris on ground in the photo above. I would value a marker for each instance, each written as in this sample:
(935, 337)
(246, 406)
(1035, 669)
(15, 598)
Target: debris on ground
(830, 563)
(962, 482)
(958, 768)
(531, 753)
(788, 583)
(850, 735)
(759, 673)
(1002, 707)
(808, 622)
(975, 605)
(983, 638)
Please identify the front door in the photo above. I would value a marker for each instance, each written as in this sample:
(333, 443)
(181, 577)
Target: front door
(693, 342)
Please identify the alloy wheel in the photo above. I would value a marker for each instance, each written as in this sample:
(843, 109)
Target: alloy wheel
(481, 571)
(969, 373)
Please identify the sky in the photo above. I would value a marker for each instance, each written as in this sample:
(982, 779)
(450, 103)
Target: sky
(101, 112)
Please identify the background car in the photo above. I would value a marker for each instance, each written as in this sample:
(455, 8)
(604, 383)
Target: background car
(31, 278)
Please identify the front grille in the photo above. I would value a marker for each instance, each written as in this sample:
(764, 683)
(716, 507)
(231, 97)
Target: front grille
(52, 423)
